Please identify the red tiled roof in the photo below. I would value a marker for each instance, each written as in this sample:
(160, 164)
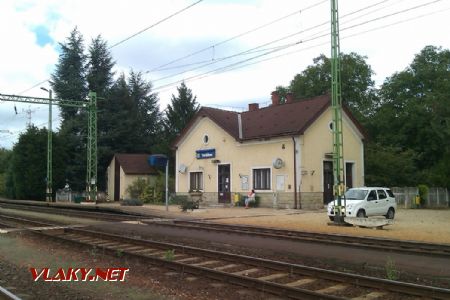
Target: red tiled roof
(276, 120)
(135, 164)
(283, 119)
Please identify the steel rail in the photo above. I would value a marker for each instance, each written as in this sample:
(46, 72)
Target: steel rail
(96, 239)
(364, 281)
(76, 212)
(5, 294)
(401, 246)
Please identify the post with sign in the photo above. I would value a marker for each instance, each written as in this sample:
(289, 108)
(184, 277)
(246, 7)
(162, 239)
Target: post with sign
(161, 160)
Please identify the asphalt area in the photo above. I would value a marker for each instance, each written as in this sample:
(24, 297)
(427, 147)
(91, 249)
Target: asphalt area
(20, 252)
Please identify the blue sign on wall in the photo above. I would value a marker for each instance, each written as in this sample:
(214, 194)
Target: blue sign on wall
(205, 153)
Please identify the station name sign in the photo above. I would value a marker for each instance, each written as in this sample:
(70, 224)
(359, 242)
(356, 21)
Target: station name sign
(205, 153)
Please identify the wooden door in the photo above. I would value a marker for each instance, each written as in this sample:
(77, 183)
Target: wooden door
(224, 184)
(327, 182)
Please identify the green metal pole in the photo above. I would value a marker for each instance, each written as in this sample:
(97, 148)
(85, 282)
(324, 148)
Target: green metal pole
(49, 150)
(336, 103)
(91, 180)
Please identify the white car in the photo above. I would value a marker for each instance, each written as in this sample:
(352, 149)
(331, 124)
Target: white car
(366, 202)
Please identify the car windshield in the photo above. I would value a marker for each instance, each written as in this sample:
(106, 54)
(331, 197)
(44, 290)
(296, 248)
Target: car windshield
(354, 194)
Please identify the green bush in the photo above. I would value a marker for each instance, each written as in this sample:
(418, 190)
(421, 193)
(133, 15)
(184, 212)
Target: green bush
(178, 199)
(187, 203)
(137, 188)
(423, 193)
(131, 202)
(251, 203)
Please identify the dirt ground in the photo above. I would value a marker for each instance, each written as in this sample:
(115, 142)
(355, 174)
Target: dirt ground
(424, 225)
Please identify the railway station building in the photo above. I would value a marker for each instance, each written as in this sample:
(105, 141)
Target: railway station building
(283, 152)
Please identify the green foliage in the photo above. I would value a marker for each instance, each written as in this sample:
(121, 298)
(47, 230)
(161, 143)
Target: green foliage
(148, 191)
(389, 166)
(255, 203)
(181, 110)
(357, 84)
(119, 253)
(169, 255)
(5, 157)
(69, 78)
(178, 199)
(26, 178)
(414, 113)
(391, 271)
(131, 202)
(188, 204)
(423, 193)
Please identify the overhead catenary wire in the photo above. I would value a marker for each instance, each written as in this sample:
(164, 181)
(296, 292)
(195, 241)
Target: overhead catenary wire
(249, 51)
(164, 66)
(155, 24)
(127, 38)
(234, 66)
(237, 36)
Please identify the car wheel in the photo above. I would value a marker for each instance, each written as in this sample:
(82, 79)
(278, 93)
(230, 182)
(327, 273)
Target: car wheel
(331, 218)
(390, 214)
(361, 214)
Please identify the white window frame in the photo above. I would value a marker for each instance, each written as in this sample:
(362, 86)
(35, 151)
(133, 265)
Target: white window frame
(202, 177)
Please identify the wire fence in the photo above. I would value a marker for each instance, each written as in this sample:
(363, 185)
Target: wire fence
(437, 197)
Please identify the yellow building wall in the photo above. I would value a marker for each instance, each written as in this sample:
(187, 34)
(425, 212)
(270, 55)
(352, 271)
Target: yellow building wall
(317, 141)
(110, 178)
(126, 180)
(242, 157)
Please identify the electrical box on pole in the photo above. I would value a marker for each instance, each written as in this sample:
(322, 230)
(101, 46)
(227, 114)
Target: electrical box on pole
(91, 178)
(336, 104)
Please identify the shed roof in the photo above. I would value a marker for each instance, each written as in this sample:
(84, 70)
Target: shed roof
(134, 164)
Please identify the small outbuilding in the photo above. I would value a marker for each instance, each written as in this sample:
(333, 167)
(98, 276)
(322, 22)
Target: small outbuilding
(283, 152)
(123, 170)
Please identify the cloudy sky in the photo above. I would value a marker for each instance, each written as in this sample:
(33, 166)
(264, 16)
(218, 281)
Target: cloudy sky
(229, 52)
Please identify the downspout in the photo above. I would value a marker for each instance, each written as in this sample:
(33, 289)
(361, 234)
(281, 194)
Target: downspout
(295, 173)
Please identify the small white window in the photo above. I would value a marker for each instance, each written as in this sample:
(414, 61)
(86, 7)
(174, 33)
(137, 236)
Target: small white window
(205, 139)
(330, 125)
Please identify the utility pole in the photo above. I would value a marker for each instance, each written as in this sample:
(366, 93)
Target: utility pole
(91, 178)
(336, 104)
(49, 191)
(29, 111)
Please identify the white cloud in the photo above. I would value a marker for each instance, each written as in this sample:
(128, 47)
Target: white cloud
(23, 63)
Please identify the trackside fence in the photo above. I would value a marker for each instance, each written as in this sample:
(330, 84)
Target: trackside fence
(437, 197)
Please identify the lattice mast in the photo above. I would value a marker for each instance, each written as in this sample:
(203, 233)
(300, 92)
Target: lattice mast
(91, 177)
(336, 104)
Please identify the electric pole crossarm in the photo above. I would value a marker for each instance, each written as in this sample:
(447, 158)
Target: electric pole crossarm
(37, 100)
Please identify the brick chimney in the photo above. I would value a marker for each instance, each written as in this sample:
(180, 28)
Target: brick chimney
(253, 106)
(289, 98)
(275, 98)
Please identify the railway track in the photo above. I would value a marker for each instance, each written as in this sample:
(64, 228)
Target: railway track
(410, 247)
(269, 276)
(80, 213)
(7, 295)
